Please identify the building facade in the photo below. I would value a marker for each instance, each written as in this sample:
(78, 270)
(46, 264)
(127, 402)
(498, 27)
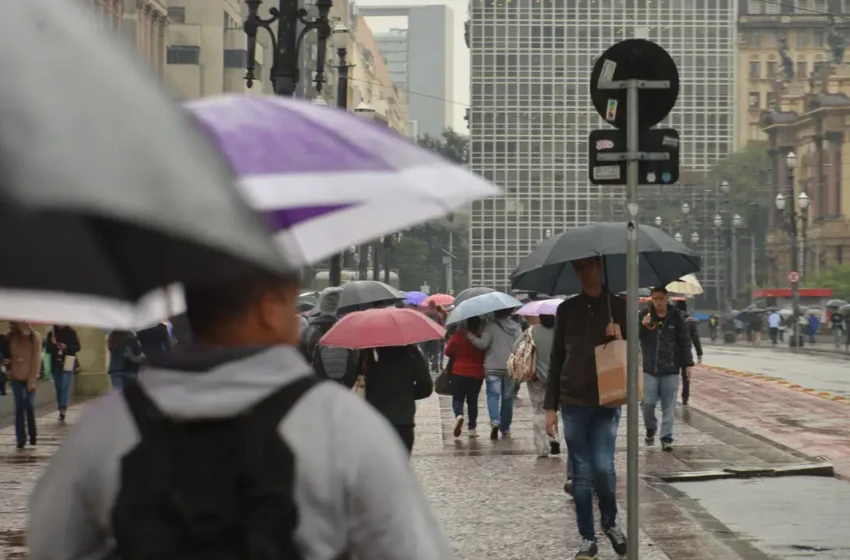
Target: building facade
(146, 25)
(420, 60)
(531, 111)
(109, 12)
(207, 50)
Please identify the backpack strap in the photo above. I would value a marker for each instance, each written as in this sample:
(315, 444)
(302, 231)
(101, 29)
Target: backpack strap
(147, 416)
(274, 408)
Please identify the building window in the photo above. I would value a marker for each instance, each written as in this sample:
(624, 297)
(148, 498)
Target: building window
(845, 7)
(755, 69)
(183, 54)
(772, 71)
(177, 15)
(755, 99)
(755, 7)
(235, 58)
(802, 69)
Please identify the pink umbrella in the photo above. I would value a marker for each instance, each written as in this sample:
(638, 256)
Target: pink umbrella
(378, 328)
(440, 299)
(540, 307)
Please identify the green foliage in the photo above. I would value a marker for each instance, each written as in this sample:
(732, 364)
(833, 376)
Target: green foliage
(450, 145)
(837, 278)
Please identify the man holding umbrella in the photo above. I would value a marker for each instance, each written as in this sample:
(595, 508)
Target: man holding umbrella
(583, 322)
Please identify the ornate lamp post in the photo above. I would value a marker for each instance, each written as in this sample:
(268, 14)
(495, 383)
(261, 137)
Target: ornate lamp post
(285, 46)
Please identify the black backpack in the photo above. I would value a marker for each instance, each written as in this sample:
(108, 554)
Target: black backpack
(219, 489)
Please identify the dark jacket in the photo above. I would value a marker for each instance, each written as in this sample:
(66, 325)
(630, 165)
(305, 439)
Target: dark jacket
(156, 340)
(394, 382)
(338, 364)
(66, 336)
(125, 353)
(693, 330)
(580, 324)
(666, 343)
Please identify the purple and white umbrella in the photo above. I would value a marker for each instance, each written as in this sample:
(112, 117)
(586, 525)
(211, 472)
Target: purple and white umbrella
(327, 179)
(540, 307)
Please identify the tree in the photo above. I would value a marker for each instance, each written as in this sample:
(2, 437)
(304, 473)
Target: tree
(450, 145)
(837, 278)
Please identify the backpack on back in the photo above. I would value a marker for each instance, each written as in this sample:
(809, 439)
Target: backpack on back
(218, 489)
(522, 364)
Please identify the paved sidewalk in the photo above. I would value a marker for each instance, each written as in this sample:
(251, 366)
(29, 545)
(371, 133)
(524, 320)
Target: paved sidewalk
(808, 423)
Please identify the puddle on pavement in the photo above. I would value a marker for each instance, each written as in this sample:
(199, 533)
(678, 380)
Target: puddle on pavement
(789, 518)
(13, 545)
(22, 457)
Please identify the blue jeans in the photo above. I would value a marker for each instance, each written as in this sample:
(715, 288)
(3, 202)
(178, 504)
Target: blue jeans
(466, 390)
(590, 433)
(24, 411)
(662, 389)
(120, 379)
(500, 401)
(62, 384)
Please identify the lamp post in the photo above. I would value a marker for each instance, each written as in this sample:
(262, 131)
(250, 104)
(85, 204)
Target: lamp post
(678, 237)
(658, 222)
(285, 46)
(694, 238)
(388, 241)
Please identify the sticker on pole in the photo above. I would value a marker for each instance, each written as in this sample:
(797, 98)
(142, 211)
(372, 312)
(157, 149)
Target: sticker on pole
(793, 277)
(606, 173)
(611, 111)
(607, 73)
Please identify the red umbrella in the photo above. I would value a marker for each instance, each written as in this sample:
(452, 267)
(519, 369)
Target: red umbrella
(440, 299)
(378, 328)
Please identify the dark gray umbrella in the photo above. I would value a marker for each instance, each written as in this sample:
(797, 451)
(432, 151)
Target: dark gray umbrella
(471, 293)
(107, 191)
(548, 268)
(365, 294)
(835, 304)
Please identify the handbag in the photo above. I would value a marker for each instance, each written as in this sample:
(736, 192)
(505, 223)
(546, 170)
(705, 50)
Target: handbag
(444, 384)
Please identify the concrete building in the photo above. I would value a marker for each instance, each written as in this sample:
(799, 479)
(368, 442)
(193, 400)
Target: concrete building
(778, 42)
(815, 126)
(531, 111)
(109, 12)
(207, 50)
(146, 25)
(420, 60)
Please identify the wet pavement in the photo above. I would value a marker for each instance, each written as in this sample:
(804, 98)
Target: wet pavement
(818, 371)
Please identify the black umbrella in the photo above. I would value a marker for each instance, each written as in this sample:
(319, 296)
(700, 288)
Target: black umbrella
(107, 190)
(365, 294)
(548, 268)
(471, 293)
(835, 304)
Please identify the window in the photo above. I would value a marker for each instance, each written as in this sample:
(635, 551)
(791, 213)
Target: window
(802, 69)
(771, 99)
(183, 54)
(755, 69)
(177, 15)
(755, 99)
(772, 71)
(234, 58)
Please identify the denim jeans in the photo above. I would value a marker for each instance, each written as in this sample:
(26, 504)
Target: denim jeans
(466, 390)
(62, 384)
(24, 411)
(590, 433)
(500, 400)
(120, 379)
(662, 389)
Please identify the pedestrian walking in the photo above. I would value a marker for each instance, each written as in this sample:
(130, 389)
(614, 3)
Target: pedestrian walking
(836, 323)
(774, 323)
(466, 365)
(713, 322)
(666, 348)
(756, 326)
(581, 323)
(125, 358)
(497, 341)
(693, 332)
(812, 327)
(396, 377)
(542, 336)
(24, 365)
(337, 364)
(62, 346)
(433, 347)
(239, 413)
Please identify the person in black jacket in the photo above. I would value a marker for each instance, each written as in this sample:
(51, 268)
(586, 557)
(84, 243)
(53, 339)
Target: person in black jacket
(62, 346)
(666, 347)
(396, 377)
(693, 331)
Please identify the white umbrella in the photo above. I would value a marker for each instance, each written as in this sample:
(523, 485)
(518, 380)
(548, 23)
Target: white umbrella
(687, 285)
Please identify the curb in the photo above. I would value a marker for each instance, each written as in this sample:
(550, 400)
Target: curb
(778, 381)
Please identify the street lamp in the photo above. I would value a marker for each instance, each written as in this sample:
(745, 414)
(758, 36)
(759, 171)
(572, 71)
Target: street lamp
(658, 221)
(286, 45)
(782, 201)
(718, 220)
(724, 187)
(320, 101)
(694, 238)
(803, 201)
(686, 208)
(737, 221)
(547, 234)
(678, 237)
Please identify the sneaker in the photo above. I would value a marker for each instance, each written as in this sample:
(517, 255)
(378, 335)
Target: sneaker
(650, 437)
(458, 425)
(587, 550)
(506, 434)
(61, 416)
(684, 402)
(618, 540)
(667, 445)
(554, 447)
(471, 432)
(568, 487)
(21, 445)
(494, 432)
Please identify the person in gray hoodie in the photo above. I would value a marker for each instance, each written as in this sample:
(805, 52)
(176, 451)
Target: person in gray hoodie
(353, 487)
(497, 340)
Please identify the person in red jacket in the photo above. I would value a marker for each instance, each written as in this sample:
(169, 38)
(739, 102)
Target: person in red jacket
(466, 364)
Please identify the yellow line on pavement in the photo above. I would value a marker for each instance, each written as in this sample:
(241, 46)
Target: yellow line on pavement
(787, 384)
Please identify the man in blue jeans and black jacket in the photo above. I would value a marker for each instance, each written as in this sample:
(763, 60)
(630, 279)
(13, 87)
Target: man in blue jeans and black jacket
(593, 317)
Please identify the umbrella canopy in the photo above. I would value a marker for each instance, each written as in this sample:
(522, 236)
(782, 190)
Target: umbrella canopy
(482, 305)
(378, 328)
(415, 298)
(540, 307)
(471, 293)
(687, 285)
(107, 190)
(327, 179)
(307, 301)
(835, 304)
(442, 300)
(548, 268)
(844, 309)
(363, 294)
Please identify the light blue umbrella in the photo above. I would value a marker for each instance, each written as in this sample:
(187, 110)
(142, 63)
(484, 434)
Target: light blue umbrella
(482, 305)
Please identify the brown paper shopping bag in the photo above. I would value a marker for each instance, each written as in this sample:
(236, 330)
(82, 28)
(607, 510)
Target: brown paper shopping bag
(611, 374)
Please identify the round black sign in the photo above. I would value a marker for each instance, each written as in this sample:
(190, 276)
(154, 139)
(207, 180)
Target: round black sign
(634, 59)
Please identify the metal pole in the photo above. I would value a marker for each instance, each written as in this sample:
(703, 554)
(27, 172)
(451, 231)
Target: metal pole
(335, 273)
(734, 235)
(376, 261)
(387, 248)
(449, 270)
(795, 286)
(719, 271)
(632, 256)
(752, 267)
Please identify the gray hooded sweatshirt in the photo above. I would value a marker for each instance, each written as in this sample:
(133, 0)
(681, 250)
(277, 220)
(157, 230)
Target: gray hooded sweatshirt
(354, 486)
(497, 340)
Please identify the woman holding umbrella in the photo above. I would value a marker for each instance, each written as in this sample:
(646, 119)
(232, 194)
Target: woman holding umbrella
(466, 364)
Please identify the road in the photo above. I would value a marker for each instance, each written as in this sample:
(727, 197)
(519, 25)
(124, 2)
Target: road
(822, 372)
